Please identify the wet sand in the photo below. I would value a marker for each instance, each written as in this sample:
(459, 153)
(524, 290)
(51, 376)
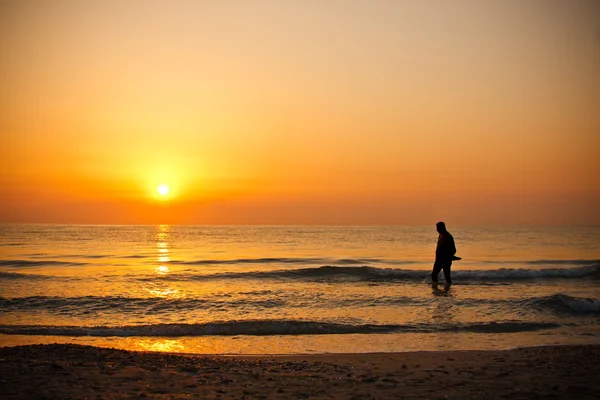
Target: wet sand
(80, 372)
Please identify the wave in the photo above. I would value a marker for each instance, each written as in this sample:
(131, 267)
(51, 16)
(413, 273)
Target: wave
(365, 273)
(333, 274)
(563, 303)
(135, 256)
(546, 262)
(15, 275)
(589, 271)
(40, 263)
(291, 260)
(310, 274)
(117, 304)
(365, 261)
(86, 256)
(268, 299)
(268, 327)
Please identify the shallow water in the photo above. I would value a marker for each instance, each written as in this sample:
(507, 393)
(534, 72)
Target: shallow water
(290, 289)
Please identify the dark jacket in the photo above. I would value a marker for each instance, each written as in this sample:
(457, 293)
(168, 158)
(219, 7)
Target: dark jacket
(445, 247)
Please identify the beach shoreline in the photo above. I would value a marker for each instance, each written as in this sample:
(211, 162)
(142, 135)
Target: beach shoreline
(77, 372)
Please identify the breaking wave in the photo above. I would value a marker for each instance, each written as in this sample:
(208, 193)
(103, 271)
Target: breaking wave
(331, 274)
(563, 303)
(365, 273)
(268, 327)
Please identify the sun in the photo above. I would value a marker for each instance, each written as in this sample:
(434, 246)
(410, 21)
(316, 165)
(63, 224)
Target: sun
(163, 190)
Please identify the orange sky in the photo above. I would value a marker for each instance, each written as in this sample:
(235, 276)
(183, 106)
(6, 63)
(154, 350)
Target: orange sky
(303, 112)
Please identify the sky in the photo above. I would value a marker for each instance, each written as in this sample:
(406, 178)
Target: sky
(300, 112)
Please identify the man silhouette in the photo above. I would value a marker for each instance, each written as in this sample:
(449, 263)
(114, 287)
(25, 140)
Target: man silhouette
(444, 254)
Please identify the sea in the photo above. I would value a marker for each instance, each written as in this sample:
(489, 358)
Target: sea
(297, 289)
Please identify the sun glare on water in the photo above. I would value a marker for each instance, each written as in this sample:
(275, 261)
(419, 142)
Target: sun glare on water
(163, 190)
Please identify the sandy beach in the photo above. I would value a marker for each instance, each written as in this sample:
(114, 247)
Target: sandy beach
(79, 372)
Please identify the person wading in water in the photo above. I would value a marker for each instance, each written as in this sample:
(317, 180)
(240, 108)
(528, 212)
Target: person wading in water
(444, 254)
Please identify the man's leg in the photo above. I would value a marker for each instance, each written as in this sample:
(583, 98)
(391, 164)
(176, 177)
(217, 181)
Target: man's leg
(446, 268)
(437, 267)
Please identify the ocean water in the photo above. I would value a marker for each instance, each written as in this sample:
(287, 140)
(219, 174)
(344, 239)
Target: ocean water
(296, 289)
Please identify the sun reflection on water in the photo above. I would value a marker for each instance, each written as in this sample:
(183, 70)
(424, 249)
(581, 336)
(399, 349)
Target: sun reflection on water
(162, 289)
(162, 247)
(162, 270)
(162, 239)
(164, 345)
(164, 292)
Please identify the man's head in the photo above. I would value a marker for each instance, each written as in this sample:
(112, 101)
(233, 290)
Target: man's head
(441, 227)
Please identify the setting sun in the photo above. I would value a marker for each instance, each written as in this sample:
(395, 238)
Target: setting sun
(163, 190)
